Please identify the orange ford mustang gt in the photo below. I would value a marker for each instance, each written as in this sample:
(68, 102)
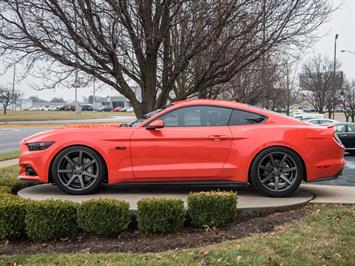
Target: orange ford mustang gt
(189, 142)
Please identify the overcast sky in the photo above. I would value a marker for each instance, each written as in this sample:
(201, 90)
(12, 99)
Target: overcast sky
(342, 22)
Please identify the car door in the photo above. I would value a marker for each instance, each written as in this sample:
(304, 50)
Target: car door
(194, 143)
(348, 137)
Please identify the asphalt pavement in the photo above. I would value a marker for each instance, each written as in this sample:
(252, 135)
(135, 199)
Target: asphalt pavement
(10, 137)
(113, 119)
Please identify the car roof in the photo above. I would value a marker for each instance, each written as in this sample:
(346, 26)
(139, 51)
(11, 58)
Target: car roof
(321, 119)
(222, 103)
(344, 123)
(276, 117)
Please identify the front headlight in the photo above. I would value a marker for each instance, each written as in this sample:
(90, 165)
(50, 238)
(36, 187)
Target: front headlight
(37, 146)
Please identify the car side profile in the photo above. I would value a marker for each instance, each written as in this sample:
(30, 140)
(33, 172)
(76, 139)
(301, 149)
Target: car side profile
(346, 133)
(322, 121)
(188, 142)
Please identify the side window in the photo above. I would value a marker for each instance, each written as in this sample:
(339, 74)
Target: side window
(197, 116)
(351, 128)
(340, 128)
(245, 118)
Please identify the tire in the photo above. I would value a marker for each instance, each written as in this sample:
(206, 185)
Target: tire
(277, 172)
(78, 170)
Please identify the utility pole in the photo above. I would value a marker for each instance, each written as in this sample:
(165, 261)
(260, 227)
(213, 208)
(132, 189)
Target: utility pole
(94, 93)
(334, 73)
(76, 85)
(13, 86)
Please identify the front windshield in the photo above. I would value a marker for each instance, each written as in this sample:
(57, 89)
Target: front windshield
(147, 116)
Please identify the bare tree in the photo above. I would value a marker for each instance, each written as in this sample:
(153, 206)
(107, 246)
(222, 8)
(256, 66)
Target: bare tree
(170, 49)
(317, 80)
(348, 100)
(7, 98)
(289, 91)
(252, 85)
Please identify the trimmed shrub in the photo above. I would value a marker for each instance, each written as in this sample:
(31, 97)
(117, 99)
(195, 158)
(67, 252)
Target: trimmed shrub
(160, 216)
(103, 216)
(8, 178)
(12, 216)
(5, 189)
(213, 208)
(51, 219)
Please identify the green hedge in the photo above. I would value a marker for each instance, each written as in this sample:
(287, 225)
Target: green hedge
(103, 216)
(51, 219)
(8, 178)
(159, 215)
(213, 208)
(12, 216)
(5, 189)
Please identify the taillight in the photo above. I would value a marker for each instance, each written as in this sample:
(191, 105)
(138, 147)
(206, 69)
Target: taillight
(337, 139)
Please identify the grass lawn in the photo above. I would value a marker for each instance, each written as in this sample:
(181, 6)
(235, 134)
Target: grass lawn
(325, 237)
(9, 155)
(54, 115)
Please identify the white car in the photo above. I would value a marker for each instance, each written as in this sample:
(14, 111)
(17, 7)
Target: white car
(324, 122)
(306, 116)
(129, 109)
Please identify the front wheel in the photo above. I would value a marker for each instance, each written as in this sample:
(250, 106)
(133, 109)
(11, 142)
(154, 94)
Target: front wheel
(277, 172)
(78, 170)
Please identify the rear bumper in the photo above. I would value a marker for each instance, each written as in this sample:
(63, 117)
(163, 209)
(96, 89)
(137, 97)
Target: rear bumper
(328, 177)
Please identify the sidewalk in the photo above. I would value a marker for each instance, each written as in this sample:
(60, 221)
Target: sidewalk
(8, 163)
(331, 194)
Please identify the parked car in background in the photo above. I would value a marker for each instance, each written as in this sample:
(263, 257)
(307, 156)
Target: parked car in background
(322, 121)
(194, 141)
(308, 116)
(129, 109)
(104, 108)
(117, 109)
(87, 107)
(69, 107)
(346, 133)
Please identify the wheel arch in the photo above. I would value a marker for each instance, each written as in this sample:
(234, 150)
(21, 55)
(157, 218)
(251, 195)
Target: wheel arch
(50, 178)
(279, 146)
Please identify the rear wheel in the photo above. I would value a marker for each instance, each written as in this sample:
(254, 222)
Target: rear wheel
(277, 172)
(78, 170)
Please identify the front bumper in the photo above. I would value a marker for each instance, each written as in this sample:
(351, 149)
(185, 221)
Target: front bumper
(33, 164)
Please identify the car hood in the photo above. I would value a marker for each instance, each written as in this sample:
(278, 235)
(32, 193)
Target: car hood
(80, 129)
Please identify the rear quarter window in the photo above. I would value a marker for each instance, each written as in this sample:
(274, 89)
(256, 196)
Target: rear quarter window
(239, 117)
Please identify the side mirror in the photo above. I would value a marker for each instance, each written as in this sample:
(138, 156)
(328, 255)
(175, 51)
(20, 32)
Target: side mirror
(156, 124)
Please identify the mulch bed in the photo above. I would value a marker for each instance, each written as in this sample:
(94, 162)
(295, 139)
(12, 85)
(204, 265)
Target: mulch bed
(138, 243)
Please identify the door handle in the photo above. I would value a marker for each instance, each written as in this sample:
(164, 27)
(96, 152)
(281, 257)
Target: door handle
(217, 137)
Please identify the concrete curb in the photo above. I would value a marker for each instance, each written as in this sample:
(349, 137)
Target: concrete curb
(7, 163)
(247, 200)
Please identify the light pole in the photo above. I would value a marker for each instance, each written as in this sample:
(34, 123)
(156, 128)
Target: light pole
(94, 100)
(347, 51)
(76, 86)
(13, 86)
(334, 73)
